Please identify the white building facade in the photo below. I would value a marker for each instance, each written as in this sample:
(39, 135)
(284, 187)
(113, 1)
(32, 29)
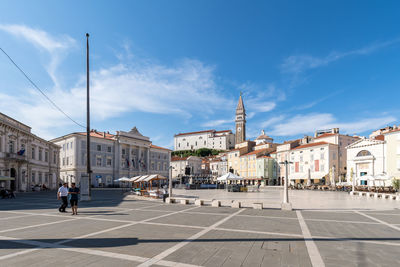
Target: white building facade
(392, 139)
(366, 159)
(212, 139)
(179, 165)
(342, 141)
(28, 159)
(219, 166)
(317, 158)
(125, 154)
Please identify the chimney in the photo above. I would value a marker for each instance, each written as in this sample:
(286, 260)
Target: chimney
(104, 134)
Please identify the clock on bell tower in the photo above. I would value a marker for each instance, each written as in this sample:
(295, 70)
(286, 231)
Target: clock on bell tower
(240, 122)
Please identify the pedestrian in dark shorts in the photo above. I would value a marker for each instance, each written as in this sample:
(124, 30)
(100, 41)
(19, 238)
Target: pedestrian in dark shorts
(63, 195)
(74, 193)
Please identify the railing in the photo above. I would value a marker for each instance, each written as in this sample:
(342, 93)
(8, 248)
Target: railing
(15, 156)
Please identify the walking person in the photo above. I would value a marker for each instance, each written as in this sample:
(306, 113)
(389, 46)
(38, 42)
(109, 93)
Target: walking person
(165, 193)
(74, 193)
(62, 194)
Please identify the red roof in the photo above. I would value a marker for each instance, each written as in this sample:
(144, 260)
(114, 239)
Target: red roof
(96, 134)
(380, 137)
(392, 131)
(178, 158)
(311, 145)
(255, 152)
(263, 136)
(224, 131)
(158, 147)
(263, 156)
(206, 131)
(290, 141)
(325, 135)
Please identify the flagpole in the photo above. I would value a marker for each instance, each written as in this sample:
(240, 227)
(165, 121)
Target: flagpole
(89, 171)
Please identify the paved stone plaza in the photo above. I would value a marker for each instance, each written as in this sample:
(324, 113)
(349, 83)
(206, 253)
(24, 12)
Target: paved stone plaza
(111, 230)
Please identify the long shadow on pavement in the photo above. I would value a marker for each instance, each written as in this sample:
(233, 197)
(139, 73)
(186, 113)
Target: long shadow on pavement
(119, 242)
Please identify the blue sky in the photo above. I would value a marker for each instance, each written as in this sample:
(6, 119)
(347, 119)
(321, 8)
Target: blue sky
(177, 66)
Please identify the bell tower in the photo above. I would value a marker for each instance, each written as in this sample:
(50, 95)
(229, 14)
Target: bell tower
(240, 121)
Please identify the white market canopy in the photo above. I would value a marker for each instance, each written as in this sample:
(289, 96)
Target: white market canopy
(133, 179)
(123, 179)
(383, 177)
(147, 178)
(154, 177)
(229, 176)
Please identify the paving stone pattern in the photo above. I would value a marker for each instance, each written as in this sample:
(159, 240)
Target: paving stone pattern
(113, 230)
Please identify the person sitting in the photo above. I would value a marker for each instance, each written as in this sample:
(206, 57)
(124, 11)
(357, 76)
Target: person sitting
(4, 193)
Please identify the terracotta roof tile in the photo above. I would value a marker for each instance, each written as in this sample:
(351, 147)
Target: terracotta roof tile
(380, 137)
(263, 137)
(311, 145)
(224, 131)
(263, 156)
(99, 135)
(205, 131)
(392, 131)
(255, 152)
(325, 135)
(158, 147)
(178, 158)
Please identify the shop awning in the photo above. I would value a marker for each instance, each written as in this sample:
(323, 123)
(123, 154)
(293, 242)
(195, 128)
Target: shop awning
(6, 178)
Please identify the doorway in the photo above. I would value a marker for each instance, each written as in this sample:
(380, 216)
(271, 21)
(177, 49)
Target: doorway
(12, 182)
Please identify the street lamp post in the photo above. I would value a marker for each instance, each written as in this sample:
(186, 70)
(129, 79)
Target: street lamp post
(285, 203)
(352, 182)
(170, 182)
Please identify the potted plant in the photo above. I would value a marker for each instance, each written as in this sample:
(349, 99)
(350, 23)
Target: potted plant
(396, 184)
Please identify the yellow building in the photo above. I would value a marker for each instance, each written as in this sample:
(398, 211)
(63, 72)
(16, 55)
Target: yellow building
(248, 165)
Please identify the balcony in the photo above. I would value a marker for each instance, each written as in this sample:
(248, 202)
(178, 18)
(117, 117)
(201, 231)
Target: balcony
(14, 156)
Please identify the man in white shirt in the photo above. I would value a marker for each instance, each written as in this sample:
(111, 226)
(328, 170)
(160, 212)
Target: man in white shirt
(63, 195)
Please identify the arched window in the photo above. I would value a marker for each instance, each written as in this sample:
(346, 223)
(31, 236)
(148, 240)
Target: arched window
(363, 153)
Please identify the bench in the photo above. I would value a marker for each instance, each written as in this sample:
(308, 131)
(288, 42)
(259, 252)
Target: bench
(200, 202)
(236, 204)
(258, 206)
(216, 203)
(184, 201)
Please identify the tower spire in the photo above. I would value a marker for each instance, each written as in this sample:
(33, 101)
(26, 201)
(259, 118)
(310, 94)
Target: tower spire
(240, 105)
(240, 121)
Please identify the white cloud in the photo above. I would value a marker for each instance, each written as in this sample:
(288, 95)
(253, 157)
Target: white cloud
(216, 123)
(300, 63)
(272, 121)
(56, 47)
(317, 101)
(185, 88)
(250, 115)
(308, 123)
